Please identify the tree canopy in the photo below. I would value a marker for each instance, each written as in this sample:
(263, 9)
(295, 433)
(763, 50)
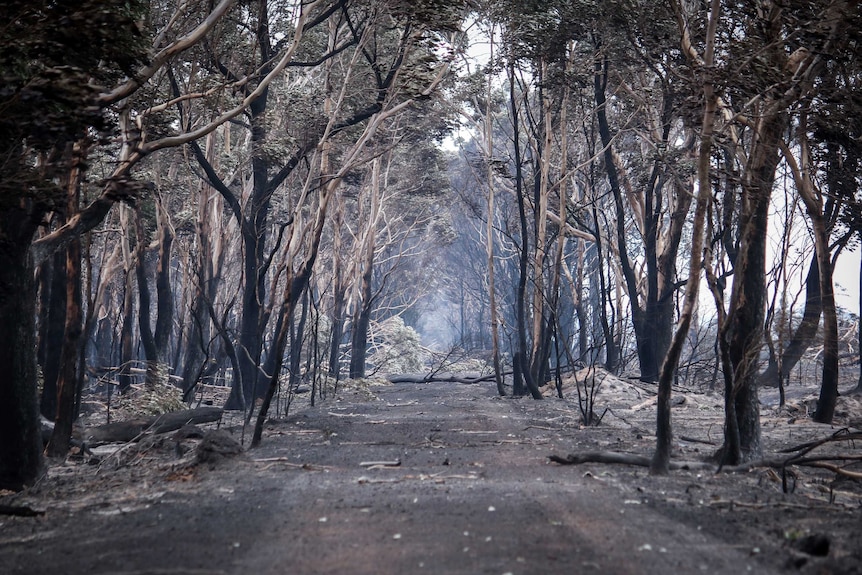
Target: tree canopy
(262, 195)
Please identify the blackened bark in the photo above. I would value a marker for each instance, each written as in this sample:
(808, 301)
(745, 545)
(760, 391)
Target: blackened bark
(858, 388)
(601, 302)
(292, 292)
(144, 299)
(337, 331)
(521, 367)
(296, 341)
(164, 294)
(359, 336)
(653, 318)
(197, 344)
(820, 229)
(155, 342)
(660, 464)
(742, 334)
(43, 288)
(365, 303)
(829, 381)
(646, 353)
(254, 230)
(580, 308)
(125, 377)
(198, 341)
(339, 290)
(804, 334)
(51, 340)
(69, 382)
(583, 331)
(135, 429)
(20, 431)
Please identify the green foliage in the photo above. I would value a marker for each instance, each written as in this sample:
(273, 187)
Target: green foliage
(536, 29)
(397, 347)
(141, 401)
(439, 15)
(55, 58)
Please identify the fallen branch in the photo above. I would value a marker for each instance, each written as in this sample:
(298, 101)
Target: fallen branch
(696, 440)
(442, 378)
(836, 470)
(644, 404)
(614, 457)
(675, 402)
(20, 511)
(373, 464)
(133, 429)
(799, 458)
(841, 435)
(270, 461)
(617, 458)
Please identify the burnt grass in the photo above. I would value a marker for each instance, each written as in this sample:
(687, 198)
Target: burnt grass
(447, 478)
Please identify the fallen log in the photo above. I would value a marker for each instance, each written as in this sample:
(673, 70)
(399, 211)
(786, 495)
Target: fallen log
(133, 429)
(615, 457)
(777, 463)
(442, 378)
(841, 435)
(20, 511)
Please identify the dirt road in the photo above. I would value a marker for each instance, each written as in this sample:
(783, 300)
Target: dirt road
(410, 478)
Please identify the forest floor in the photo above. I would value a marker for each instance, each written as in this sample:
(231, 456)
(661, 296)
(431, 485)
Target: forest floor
(445, 478)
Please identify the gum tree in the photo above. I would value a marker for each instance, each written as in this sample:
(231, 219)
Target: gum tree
(53, 58)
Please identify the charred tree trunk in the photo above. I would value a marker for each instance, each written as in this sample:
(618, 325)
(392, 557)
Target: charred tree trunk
(164, 293)
(804, 334)
(336, 332)
(541, 314)
(365, 297)
(254, 234)
(94, 356)
(54, 323)
(858, 389)
(155, 342)
(523, 383)
(818, 213)
(742, 334)
(296, 342)
(197, 343)
(144, 299)
(361, 321)
(254, 288)
(741, 344)
(339, 290)
(127, 349)
(660, 463)
(580, 307)
(69, 383)
(652, 319)
(489, 247)
(21, 446)
(829, 380)
(612, 354)
(359, 343)
(199, 337)
(292, 292)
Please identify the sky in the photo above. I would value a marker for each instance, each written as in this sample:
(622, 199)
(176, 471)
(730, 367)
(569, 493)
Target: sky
(846, 277)
(847, 268)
